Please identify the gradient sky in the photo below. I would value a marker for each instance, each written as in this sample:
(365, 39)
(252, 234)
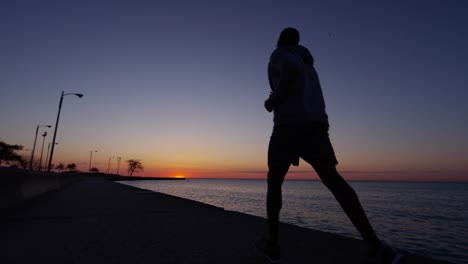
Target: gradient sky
(180, 85)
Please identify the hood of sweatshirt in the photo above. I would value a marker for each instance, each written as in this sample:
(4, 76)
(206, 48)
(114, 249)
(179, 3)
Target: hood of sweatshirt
(299, 50)
(303, 52)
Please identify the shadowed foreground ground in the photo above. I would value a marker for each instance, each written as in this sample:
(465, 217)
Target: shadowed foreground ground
(98, 221)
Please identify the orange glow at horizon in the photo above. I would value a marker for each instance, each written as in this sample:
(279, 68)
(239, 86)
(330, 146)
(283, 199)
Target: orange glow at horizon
(309, 174)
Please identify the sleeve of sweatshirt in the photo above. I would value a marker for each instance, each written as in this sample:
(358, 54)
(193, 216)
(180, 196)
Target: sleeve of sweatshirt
(270, 74)
(288, 71)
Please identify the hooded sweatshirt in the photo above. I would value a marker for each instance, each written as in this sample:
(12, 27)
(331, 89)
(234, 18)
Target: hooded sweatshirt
(296, 94)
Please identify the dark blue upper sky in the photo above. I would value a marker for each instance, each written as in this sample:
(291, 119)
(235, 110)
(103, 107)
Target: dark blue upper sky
(166, 79)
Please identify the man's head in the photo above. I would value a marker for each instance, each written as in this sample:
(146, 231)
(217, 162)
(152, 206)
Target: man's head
(288, 37)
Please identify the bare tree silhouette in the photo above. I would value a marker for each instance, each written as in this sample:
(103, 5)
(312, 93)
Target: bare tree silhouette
(60, 167)
(71, 167)
(134, 165)
(8, 153)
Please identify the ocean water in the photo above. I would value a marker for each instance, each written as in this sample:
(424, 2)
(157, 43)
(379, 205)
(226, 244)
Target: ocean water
(425, 218)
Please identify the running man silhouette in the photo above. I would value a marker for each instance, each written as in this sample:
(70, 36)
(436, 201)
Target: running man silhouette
(301, 131)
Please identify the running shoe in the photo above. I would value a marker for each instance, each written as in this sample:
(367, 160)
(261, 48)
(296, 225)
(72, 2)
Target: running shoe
(271, 251)
(389, 255)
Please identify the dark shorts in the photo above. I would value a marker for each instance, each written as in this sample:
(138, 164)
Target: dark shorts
(309, 142)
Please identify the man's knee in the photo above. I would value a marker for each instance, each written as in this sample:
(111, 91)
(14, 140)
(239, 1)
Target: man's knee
(331, 178)
(275, 182)
(327, 173)
(342, 191)
(274, 189)
(276, 176)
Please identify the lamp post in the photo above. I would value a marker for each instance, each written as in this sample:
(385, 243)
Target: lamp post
(34, 145)
(90, 157)
(42, 151)
(56, 125)
(47, 156)
(118, 164)
(108, 166)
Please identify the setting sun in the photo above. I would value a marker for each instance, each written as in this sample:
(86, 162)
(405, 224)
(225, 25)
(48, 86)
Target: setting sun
(179, 176)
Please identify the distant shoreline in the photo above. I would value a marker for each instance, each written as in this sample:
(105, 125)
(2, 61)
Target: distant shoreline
(136, 178)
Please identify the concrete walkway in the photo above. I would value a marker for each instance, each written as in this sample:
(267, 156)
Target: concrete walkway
(98, 221)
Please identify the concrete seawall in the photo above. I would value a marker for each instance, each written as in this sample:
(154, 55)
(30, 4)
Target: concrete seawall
(17, 185)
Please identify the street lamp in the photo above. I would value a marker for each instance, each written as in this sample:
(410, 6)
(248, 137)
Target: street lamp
(42, 151)
(34, 146)
(108, 166)
(90, 157)
(56, 125)
(47, 156)
(118, 164)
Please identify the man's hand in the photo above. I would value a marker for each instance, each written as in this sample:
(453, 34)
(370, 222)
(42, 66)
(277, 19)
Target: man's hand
(268, 105)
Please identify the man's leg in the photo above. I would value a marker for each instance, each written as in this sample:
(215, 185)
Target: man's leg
(349, 201)
(280, 154)
(278, 165)
(274, 201)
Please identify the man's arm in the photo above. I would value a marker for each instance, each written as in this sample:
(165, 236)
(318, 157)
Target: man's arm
(288, 73)
(267, 104)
